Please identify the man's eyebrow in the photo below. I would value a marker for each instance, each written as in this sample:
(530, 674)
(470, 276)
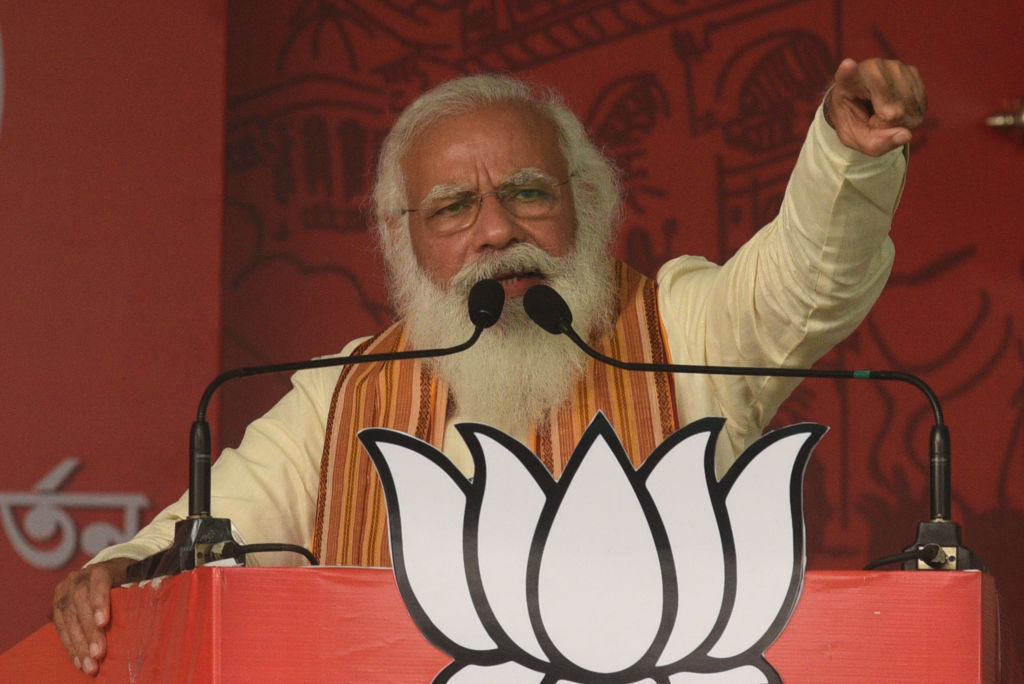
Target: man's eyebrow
(517, 177)
(526, 175)
(444, 191)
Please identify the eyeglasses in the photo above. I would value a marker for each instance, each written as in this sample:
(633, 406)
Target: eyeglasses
(536, 197)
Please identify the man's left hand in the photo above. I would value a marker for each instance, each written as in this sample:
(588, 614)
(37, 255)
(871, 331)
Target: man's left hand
(873, 105)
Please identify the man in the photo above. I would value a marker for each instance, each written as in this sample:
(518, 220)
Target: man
(480, 179)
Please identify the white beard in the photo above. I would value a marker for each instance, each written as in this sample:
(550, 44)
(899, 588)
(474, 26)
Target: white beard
(516, 371)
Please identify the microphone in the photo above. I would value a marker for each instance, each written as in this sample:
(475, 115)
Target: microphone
(200, 538)
(548, 310)
(938, 544)
(486, 300)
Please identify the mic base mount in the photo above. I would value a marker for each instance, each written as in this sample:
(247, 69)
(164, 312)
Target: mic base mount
(198, 540)
(941, 544)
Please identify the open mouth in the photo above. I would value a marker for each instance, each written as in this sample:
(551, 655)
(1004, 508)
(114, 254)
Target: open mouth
(516, 283)
(513, 277)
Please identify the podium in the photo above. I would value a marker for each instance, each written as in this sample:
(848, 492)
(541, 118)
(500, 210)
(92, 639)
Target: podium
(227, 625)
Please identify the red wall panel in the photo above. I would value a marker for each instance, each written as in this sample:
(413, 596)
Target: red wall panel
(110, 231)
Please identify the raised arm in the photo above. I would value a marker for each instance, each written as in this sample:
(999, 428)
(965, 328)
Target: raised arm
(804, 281)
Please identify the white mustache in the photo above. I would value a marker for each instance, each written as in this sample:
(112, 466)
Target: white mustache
(519, 258)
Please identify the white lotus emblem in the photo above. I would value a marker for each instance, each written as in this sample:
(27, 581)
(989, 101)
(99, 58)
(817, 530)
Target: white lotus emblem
(610, 574)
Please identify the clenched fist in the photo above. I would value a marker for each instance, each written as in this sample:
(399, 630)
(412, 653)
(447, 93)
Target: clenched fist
(875, 104)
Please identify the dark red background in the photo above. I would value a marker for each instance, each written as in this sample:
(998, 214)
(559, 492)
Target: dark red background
(110, 181)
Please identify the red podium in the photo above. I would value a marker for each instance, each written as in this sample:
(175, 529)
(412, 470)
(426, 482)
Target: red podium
(350, 625)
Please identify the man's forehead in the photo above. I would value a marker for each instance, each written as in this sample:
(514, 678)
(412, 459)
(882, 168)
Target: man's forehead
(497, 140)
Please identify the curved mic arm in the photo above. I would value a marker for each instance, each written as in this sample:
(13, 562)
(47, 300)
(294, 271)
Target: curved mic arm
(486, 300)
(939, 451)
(548, 309)
(326, 363)
(764, 371)
(200, 460)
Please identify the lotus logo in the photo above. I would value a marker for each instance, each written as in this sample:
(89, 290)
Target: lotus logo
(610, 574)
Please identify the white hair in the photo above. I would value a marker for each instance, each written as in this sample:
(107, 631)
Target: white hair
(595, 184)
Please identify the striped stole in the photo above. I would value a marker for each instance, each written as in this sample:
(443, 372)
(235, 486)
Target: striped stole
(351, 522)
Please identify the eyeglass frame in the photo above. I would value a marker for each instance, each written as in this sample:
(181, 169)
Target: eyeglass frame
(497, 193)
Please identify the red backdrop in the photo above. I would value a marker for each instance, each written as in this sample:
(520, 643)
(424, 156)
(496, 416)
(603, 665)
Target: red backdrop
(110, 230)
(703, 105)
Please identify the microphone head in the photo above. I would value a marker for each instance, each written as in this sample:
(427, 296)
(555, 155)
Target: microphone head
(486, 300)
(547, 309)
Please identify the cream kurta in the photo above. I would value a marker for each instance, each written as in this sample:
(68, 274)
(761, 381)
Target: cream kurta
(793, 291)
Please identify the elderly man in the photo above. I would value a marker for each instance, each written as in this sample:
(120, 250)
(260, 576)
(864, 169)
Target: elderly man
(480, 178)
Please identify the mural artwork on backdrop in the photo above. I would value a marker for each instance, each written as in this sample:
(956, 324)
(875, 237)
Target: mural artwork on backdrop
(301, 148)
(703, 106)
(520, 577)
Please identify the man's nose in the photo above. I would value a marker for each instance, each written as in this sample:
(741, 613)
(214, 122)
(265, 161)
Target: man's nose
(495, 226)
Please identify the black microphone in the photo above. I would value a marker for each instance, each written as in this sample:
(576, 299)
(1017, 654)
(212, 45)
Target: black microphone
(486, 300)
(200, 538)
(549, 310)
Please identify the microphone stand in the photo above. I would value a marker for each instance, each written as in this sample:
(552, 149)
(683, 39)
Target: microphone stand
(938, 545)
(200, 538)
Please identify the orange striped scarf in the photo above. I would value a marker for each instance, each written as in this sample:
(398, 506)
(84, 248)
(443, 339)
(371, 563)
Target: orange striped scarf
(351, 523)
